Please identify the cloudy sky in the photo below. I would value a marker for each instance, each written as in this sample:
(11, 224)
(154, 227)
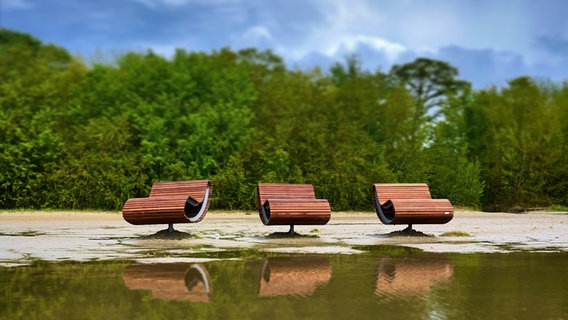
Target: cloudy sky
(490, 41)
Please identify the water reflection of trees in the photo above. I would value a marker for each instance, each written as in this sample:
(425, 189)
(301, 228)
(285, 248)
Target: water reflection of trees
(175, 281)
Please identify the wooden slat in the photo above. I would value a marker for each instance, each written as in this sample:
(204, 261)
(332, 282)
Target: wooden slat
(194, 188)
(387, 191)
(291, 204)
(285, 191)
(409, 203)
(298, 211)
(161, 210)
(170, 202)
(419, 211)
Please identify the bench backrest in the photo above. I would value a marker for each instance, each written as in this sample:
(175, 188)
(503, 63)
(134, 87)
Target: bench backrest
(197, 189)
(284, 191)
(387, 191)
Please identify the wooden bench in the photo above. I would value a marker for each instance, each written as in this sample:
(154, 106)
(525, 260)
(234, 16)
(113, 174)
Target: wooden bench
(291, 204)
(409, 203)
(169, 203)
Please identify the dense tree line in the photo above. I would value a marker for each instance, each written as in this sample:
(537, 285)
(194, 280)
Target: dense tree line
(83, 136)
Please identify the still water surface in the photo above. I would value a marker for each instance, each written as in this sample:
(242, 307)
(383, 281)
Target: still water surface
(385, 283)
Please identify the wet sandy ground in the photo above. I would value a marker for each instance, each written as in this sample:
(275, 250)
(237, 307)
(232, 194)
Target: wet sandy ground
(85, 236)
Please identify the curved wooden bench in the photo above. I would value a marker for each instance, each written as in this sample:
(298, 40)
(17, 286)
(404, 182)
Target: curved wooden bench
(291, 204)
(169, 203)
(409, 203)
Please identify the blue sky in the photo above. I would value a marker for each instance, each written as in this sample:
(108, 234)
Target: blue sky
(490, 41)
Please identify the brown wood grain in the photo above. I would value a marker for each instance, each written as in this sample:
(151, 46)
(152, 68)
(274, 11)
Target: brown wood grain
(291, 204)
(170, 202)
(409, 203)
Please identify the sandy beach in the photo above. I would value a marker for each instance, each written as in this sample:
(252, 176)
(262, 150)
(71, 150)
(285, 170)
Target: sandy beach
(84, 236)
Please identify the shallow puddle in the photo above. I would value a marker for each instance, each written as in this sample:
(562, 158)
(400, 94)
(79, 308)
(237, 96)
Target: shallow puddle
(385, 282)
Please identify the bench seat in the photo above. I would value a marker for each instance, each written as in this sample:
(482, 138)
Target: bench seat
(291, 204)
(169, 203)
(297, 211)
(409, 203)
(417, 211)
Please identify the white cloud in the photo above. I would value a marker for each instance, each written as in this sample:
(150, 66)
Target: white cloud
(257, 32)
(427, 31)
(258, 36)
(488, 33)
(423, 26)
(350, 43)
(15, 4)
(344, 27)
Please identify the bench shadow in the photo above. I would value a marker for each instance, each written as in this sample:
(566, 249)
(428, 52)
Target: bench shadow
(409, 233)
(167, 235)
(406, 233)
(286, 235)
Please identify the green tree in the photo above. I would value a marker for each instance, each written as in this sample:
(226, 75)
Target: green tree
(430, 81)
(453, 174)
(78, 137)
(36, 84)
(520, 144)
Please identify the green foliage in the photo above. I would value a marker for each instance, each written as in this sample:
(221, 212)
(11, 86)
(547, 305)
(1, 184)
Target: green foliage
(430, 81)
(453, 174)
(521, 145)
(79, 137)
(36, 83)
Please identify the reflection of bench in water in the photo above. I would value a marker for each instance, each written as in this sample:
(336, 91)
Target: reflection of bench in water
(293, 275)
(175, 281)
(169, 203)
(409, 276)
